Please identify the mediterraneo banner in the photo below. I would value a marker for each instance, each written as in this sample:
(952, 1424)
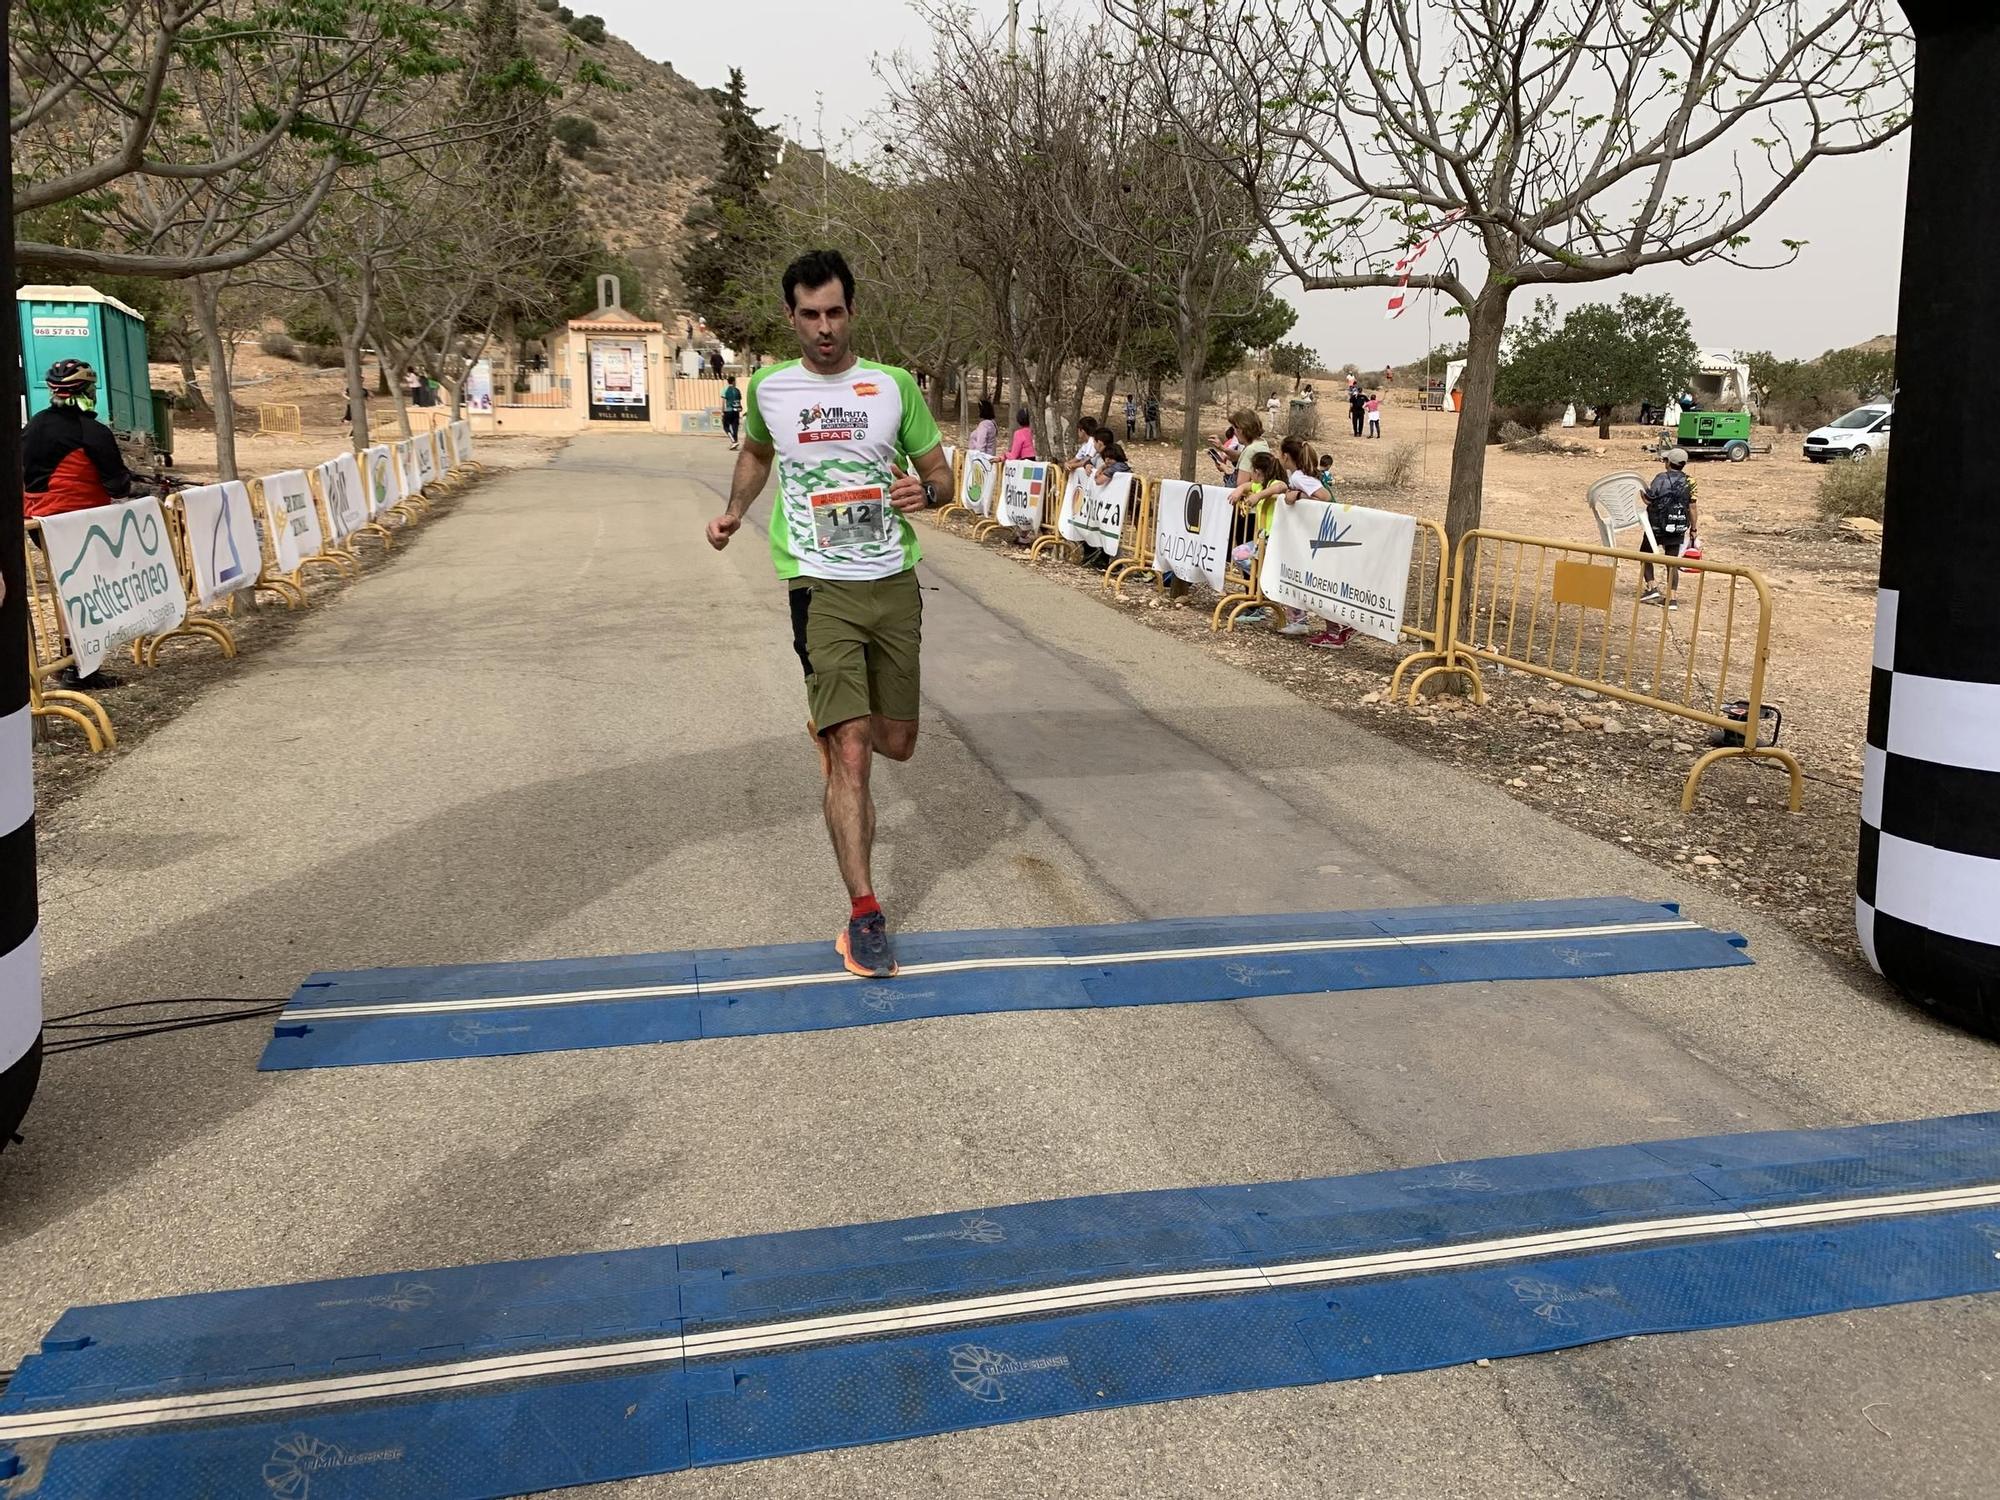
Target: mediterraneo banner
(114, 572)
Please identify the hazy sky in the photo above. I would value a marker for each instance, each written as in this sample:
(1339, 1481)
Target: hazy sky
(1843, 289)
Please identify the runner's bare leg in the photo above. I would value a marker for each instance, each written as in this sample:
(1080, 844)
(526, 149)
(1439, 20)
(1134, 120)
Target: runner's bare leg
(850, 807)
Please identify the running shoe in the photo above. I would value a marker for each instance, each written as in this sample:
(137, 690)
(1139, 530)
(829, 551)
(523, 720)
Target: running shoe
(866, 949)
(1330, 640)
(1296, 627)
(1253, 617)
(1651, 596)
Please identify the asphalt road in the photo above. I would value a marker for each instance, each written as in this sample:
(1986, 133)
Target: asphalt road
(563, 726)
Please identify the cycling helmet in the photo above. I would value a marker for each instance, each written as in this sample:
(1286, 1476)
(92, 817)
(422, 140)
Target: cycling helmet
(72, 380)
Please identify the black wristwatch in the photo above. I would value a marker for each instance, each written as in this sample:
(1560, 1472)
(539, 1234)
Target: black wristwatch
(930, 493)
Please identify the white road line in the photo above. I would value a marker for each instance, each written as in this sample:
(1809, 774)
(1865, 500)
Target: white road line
(535, 1000)
(626, 1354)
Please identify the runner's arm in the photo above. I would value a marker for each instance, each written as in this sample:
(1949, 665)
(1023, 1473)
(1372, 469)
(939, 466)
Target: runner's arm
(753, 472)
(907, 493)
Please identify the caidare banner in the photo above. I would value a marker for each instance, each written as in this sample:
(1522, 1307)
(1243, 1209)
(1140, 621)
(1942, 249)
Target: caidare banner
(1093, 514)
(293, 518)
(222, 539)
(976, 484)
(1341, 562)
(340, 486)
(1022, 484)
(114, 572)
(1191, 532)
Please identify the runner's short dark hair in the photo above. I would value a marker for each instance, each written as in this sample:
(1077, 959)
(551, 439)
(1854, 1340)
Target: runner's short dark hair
(816, 268)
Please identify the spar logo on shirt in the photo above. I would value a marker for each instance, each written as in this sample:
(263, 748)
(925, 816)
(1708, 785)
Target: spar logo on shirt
(832, 424)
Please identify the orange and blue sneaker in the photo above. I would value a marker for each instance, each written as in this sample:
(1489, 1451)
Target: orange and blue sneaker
(865, 947)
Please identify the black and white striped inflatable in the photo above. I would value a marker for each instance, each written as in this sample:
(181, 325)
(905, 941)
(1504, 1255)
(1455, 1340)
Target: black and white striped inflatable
(20, 943)
(1927, 891)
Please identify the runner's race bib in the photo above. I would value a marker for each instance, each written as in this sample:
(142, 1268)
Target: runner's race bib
(850, 517)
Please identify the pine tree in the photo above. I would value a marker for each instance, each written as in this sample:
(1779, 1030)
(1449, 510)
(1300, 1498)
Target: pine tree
(732, 230)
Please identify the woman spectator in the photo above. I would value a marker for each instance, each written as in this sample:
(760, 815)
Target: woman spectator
(981, 440)
(1374, 410)
(1250, 429)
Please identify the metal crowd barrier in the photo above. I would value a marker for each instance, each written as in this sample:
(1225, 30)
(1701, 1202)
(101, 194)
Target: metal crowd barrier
(49, 653)
(1572, 612)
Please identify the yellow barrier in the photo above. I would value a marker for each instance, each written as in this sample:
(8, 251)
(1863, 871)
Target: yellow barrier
(49, 653)
(1242, 592)
(279, 421)
(1135, 541)
(1572, 612)
(146, 649)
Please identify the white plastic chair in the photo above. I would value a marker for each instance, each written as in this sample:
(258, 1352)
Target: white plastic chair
(1614, 503)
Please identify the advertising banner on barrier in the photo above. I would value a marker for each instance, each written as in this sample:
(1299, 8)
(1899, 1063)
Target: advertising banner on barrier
(340, 486)
(294, 521)
(425, 451)
(461, 434)
(1341, 562)
(381, 478)
(406, 464)
(222, 539)
(976, 484)
(114, 571)
(1191, 532)
(1022, 484)
(1093, 514)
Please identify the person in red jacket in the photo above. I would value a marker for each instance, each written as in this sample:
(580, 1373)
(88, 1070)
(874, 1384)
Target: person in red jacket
(69, 459)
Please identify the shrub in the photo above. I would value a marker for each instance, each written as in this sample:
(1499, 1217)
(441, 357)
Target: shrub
(1510, 433)
(1529, 416)
(323, 356)
(1850, 488)
(547, 5)
(588, 29)
(1302, 421)
(309, 325)
(577, 134)
(1399, 469)
(278, 345)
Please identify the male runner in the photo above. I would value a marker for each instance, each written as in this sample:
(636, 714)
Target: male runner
(844, 432)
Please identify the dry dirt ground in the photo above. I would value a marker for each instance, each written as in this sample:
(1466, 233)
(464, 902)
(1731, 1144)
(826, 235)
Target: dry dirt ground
(1623, 786)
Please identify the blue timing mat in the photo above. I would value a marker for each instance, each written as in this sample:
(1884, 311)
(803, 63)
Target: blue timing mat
(497, 1380)
(486, 1010)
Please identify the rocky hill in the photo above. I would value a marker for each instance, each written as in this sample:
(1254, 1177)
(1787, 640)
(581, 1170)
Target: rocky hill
(656, 148)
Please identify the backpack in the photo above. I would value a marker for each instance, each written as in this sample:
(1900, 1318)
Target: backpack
(1668, 499)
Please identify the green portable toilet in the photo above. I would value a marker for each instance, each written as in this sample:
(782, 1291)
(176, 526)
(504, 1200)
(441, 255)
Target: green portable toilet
(80, 322)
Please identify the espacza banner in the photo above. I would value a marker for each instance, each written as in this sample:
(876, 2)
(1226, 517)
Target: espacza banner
(975, 485)
(381, 478)
(1341, 562)
(1093, 514)
(114, 571)
(222, 539)
(1022, 483)
(340, 486)
(1191, 532)
(293, 519)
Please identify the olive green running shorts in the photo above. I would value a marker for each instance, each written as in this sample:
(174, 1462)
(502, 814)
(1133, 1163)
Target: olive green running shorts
(859, 641)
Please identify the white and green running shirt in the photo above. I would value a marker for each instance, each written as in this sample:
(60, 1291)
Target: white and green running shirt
(836, 437)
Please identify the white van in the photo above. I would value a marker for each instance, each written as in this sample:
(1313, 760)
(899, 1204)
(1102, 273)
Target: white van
(1863, 431)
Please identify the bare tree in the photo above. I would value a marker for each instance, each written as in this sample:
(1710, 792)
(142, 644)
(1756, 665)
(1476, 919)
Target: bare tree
(997, 142)
(1574, 140)
(1170, 218)
(171, 113)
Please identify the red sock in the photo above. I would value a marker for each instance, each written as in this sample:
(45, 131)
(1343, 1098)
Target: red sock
(865, 906)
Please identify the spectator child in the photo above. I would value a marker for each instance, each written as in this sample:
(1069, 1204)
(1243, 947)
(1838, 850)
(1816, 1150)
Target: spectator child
(1131, 417)
(1153, 419)
(1257, 493)
(1023, 445)
(1671, 513)
(1374, 411)
(1299, 462)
